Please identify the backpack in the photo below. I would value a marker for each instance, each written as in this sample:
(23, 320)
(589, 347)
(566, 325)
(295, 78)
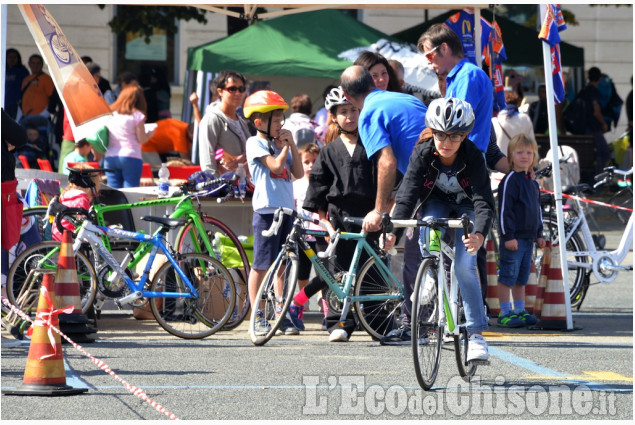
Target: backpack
(575, 115)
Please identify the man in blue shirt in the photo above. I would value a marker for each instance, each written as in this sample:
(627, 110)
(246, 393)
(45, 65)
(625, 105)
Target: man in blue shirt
(443, 49)
(389, 127)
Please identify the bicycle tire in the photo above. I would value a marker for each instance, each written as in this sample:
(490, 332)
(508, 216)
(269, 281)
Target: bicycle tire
(193, 318)
(577, 275)
(427, 332)
(214, 227)
(39, 213)
(623, 198)
(31, 257)
(286, 266)
(378, 318)
(466, 371)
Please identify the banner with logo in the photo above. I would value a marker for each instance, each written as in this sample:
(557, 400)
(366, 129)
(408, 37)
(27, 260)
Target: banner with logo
(552, 25)
(84, 102)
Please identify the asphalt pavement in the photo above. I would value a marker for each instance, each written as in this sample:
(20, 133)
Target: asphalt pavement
(586, 373)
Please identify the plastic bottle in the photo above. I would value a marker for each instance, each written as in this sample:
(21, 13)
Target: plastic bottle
(164, 183)
(242, 182)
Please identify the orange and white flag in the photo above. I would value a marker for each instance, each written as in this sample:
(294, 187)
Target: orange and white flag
(77, 88)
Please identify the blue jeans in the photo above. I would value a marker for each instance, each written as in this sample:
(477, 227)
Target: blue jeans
(126, 172)
(464, 267)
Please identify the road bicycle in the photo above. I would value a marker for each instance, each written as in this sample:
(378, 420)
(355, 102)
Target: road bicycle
(437, 305)
(192, 295)
(372, 290)
(584, 258)
(200, 234)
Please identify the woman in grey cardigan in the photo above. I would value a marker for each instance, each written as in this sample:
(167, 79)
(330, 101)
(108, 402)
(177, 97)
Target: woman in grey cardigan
(222, 128)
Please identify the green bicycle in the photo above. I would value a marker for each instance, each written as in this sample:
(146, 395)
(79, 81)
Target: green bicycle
(200, 234)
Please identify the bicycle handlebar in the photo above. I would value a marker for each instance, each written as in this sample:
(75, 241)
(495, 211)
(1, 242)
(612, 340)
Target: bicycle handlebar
(437, 223)
(190, 187)
(607, 175)
(68, 213)
(277, 221)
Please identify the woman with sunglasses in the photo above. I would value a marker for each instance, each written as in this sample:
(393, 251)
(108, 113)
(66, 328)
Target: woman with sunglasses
(447, 176)
(223, 128)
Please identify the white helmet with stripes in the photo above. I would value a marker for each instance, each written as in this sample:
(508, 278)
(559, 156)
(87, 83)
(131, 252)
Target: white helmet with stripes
(450, 115)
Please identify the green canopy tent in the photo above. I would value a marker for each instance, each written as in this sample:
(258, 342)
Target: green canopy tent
(298, 45)
(303, 45)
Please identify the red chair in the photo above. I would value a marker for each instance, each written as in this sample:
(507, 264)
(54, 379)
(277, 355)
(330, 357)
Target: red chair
(146, 171)
(24, 161)
(44, 164)
(183, 172)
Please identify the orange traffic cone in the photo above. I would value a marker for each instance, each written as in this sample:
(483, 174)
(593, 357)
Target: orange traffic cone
(542, 280)
(67, 290)
(492, 281)
(554, 314)
(44, 373)
(531, 289)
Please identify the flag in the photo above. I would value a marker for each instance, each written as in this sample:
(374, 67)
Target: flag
(495, 53)
(87, 109)
(462, 23)
(552, 25)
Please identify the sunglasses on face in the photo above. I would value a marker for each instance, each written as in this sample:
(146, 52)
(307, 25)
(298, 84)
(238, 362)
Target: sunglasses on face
(442, 137)
(429, 55)
(234, 89)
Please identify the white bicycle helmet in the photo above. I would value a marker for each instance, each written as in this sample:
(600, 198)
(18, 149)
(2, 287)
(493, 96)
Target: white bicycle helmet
(334, 98)
(450, 115)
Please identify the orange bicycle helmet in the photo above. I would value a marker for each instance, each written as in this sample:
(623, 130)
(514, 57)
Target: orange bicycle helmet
(264, 101)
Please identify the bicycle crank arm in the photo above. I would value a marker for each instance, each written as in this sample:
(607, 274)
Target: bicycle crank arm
(618, 268)
(128, 299)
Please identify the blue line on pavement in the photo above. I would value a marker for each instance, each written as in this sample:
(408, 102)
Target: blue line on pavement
(73, 379)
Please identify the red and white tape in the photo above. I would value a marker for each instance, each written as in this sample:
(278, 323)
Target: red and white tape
(590, 201)
(103, 366)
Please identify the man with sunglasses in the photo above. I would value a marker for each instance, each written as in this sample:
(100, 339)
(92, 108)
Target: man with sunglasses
(444, 52)
(222, 129)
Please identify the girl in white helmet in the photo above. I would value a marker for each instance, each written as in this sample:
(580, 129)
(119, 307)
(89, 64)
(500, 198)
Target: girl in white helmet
(447, 177)
(343, 182)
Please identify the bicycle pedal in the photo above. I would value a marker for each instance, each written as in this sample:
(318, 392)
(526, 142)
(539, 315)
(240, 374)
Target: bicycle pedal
(478, 362)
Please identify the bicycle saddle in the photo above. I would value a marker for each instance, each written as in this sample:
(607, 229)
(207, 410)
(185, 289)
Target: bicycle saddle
(576, 188)
(169, 223)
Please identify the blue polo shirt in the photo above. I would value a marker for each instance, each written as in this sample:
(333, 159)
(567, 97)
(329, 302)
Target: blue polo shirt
(391, 119)
(470, 83)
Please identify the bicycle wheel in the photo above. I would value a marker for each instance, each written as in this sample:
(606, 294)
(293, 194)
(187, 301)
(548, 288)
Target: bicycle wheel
(230, 252)
(623, 198)
(577, 275)
(460, 345)
(20, 294)
(193, 318)
(378, 318)
(427, 332)
(274, 297)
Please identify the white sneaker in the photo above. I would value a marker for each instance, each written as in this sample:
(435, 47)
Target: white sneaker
(477, 349)
(338, 335)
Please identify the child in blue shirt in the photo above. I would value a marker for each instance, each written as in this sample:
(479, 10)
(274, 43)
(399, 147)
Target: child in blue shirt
(520, 220)
(272, 157)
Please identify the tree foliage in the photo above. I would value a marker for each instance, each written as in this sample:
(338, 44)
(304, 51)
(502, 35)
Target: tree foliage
(144, 19)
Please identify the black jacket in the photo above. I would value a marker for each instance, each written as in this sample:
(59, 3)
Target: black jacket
(519, 207)
(13, 133)
(341, 184)
(422, 173)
